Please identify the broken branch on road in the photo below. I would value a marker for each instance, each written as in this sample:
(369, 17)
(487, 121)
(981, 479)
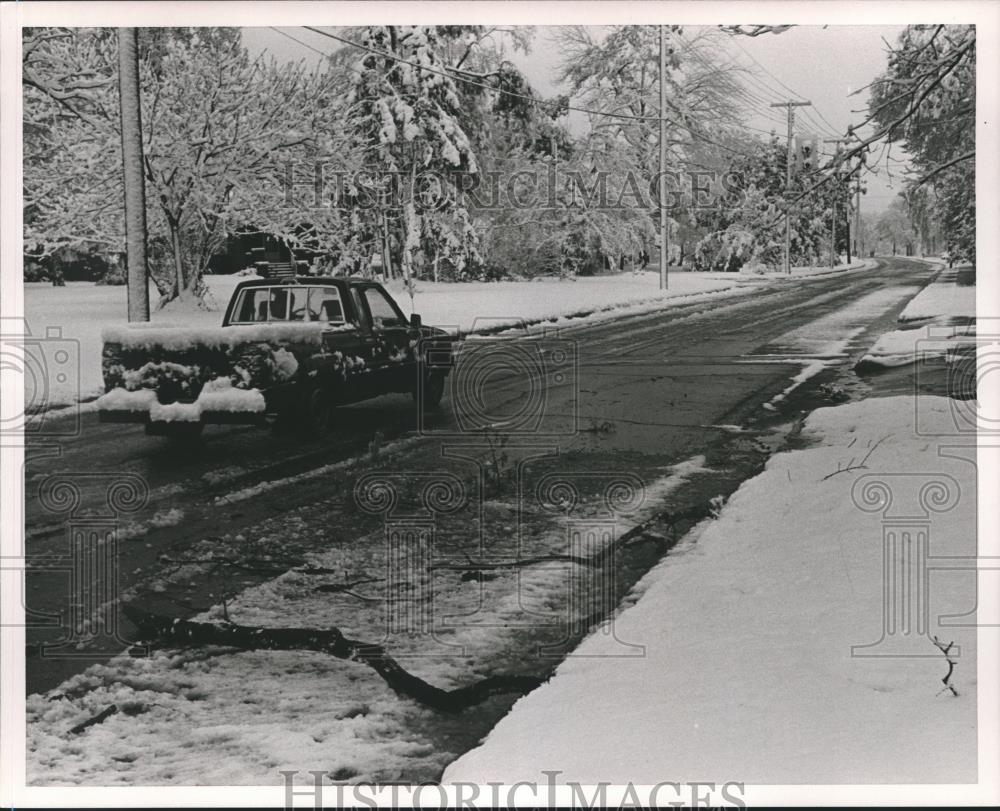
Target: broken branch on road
(185, 633)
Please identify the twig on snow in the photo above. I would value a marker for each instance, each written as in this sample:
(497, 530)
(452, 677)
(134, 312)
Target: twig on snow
(946, 681)
(862, 465)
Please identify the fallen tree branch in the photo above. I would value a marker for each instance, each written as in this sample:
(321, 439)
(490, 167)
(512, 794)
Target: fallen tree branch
(184, 633)
(104, 714)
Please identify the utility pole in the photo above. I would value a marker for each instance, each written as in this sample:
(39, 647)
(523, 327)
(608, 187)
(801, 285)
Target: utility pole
(859, 247)
(664, 243)
(790, 106)
(833, 222)
(858, 242)
(133, 177)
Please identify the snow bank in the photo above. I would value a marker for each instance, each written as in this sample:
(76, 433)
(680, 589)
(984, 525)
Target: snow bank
(904, 346)
(749, 673)
(942, 299)
(943, 302)
(812, 270)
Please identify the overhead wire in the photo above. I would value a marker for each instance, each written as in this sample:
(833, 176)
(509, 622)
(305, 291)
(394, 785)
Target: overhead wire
(464, 76)
(807, 113)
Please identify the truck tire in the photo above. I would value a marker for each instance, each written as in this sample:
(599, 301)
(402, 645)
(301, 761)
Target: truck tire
(314, 412)
(430, 393)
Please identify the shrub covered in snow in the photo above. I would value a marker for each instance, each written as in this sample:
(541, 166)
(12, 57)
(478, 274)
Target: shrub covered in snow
(727, 250)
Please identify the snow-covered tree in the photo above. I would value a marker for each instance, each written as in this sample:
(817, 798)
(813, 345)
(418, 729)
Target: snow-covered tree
(405, 114)
(747, 225)
(616, 73)
(219, 130)
(895, 228)
(926, 99)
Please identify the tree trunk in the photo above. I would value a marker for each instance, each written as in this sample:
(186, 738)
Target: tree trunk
(132, 176)
(175, 245)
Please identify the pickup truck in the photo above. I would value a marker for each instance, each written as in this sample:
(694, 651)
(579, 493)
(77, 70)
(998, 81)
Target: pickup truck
(289, 350)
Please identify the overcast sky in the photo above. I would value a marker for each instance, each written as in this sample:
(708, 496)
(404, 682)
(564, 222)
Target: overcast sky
(822, 65)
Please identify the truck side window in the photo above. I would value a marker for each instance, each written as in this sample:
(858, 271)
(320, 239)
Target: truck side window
(324, 305)
(252, 306)
(382, 310)
(279, 304)
(297, 310)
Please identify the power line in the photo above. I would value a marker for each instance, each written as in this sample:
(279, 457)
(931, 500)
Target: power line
(324, 54)
(833, 129)
(451, 74)
(751, 98)
(532, 99)
(463, 76)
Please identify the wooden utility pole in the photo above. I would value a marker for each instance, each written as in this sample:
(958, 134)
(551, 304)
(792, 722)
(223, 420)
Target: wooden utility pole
(133, 177)
(664, 242)
(859, 246)
(833, 222)
(790, 106)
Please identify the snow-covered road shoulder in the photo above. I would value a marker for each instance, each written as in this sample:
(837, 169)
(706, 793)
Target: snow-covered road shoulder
(753, 670)
(949, 310)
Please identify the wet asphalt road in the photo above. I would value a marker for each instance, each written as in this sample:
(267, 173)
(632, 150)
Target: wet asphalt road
(637, 393)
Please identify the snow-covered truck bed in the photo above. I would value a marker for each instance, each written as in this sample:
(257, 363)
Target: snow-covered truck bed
(289, 348)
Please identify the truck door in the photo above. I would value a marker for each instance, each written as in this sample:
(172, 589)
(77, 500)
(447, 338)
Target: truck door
(393, 360)
(341, 340)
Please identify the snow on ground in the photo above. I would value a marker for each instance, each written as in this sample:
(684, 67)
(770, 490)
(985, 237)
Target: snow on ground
(942, 299)
(829, 336)
(815, 270)
(82, 310)
(903, 346)
(211, 716)
(762, 274)
(748, 673)
(827, 339)
(472, 306)
(950, 333)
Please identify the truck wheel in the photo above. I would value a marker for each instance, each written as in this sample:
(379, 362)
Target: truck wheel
(431, 392)
(314, 414)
